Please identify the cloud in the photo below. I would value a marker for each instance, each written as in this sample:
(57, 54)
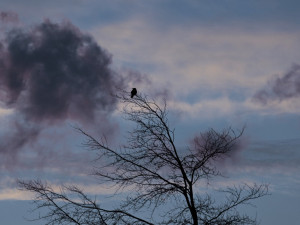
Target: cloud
(12, 192)
(4, 112)
(51, 73)
(210, 108)
(15, 138)
(281, 88)
(54, 71)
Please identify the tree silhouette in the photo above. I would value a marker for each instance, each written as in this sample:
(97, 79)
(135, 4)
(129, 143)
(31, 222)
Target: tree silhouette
(161, 177)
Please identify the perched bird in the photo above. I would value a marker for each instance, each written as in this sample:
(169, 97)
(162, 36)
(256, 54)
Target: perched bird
(133, 92)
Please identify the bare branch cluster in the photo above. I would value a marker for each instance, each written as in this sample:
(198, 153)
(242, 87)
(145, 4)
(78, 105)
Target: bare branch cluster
(150, 164)
(71, 206)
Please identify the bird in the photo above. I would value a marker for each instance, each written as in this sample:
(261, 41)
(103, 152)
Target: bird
(133, 92)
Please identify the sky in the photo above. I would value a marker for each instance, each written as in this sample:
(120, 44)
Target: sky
(218, 63)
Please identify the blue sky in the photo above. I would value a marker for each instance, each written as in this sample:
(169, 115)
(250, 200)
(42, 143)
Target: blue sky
(222, 63)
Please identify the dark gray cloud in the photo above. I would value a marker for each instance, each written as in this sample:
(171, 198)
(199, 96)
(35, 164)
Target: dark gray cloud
(281, 88)
(53, 72)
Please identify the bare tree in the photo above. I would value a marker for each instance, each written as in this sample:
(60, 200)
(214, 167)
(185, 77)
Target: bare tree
(159, 174)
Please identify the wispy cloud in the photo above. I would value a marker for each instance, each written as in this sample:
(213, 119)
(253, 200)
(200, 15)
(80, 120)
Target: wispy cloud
(281, 88)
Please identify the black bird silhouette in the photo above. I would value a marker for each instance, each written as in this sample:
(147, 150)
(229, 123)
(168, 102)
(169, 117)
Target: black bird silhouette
(133, 92)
